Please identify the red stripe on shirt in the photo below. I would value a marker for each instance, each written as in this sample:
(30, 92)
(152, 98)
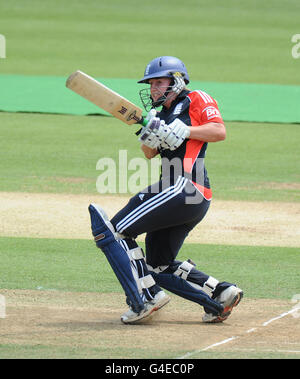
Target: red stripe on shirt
(206, 192)
(193, 148)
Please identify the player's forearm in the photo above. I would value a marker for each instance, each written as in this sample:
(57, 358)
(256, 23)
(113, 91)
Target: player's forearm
(149, 153)
(210, 132)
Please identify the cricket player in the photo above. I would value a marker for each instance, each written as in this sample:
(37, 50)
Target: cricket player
(168, 210)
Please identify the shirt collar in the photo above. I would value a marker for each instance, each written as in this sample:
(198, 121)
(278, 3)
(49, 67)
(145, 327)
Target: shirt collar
(178, 98)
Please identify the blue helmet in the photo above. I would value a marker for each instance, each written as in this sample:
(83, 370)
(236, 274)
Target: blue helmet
(164, 67)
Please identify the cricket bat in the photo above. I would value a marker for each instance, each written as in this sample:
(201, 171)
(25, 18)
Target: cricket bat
(105, 98)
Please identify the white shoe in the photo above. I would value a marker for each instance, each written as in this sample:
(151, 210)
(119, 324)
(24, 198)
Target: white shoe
(229, 298)
(160, 299)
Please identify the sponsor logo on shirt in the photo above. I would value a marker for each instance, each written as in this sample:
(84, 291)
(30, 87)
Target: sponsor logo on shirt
(211, 112)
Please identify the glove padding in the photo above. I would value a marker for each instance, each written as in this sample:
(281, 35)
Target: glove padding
(175, 134)
(151, 133)
(157, 134)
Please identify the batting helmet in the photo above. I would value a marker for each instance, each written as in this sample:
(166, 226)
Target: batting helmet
(164, 67)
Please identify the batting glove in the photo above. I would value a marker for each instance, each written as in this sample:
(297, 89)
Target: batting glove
(151, 133)
(178, 131)
(151, 114)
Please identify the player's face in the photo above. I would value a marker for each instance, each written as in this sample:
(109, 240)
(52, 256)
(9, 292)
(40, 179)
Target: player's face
(158, 87)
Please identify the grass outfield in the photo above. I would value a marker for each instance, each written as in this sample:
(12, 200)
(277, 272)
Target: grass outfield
(54, 153)
(47, 352)
(77, 265)
(236, 41)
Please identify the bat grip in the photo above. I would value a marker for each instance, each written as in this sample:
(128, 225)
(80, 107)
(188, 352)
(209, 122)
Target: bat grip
(142, 121)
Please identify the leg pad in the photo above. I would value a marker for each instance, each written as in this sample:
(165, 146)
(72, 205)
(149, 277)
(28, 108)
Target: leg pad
(116, 255)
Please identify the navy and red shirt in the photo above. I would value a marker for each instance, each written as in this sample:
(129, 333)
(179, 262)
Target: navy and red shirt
(194, 108)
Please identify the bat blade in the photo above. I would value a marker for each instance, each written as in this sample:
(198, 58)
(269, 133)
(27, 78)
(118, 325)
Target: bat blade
(105, 98)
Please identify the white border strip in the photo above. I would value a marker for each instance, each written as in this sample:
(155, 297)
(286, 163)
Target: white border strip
(236, 337)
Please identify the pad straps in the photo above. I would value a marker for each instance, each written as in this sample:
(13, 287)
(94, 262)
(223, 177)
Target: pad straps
(145, 282)
(184, 271)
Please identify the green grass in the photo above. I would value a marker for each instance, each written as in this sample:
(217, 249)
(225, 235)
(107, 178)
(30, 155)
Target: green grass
(236, 41)
(77, 265)
(78, 352)
(56, 153)
(65, 352)
(67, 265)
(49, 153)
(254, 160)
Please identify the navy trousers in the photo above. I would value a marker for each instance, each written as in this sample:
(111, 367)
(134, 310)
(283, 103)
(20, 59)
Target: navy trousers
(166, 211)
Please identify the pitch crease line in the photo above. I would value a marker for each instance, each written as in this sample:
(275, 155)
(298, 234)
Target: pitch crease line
(208, 347)
(236, 337)
(280, 316)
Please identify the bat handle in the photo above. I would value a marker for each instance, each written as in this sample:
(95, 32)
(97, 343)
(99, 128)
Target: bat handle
(142, 121)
